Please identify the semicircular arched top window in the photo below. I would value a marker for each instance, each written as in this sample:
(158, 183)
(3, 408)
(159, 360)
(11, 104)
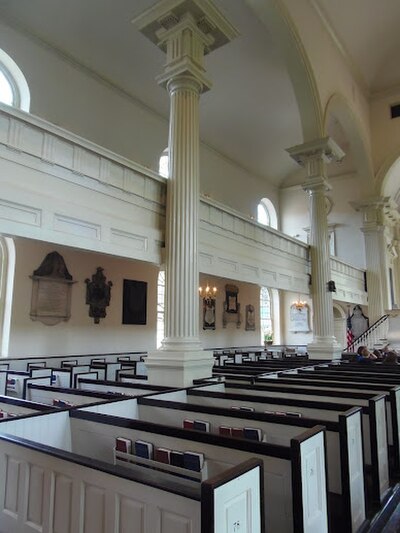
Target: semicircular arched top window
(14, 90)
(266, 213)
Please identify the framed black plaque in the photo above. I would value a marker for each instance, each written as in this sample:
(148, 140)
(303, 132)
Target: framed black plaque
(134, 306)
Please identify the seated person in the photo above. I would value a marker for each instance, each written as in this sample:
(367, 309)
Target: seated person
(391, 358)
(364, 355)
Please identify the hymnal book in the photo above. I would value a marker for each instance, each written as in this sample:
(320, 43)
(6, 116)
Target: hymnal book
(225, 430)
(252, 434)
(144, 449)
(123, 445)
(292, 413)
(193, 461)
(200, 425)
(176, 458)
(162, 455)
(188, 424)
(280, 413)
(61, 403)
(269, 412)
(3, 414)
(237, 432)
(249, 409)
(235, 408)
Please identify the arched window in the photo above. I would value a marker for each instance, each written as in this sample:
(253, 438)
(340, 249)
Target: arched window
(265, 313)
(266, 213)
(163, 164)
(160, 307)
(14, 90)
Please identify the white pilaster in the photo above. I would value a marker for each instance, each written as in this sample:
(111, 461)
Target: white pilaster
(314, 156)
(186, 30)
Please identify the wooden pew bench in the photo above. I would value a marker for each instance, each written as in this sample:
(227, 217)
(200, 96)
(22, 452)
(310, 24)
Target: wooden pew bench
(282, 501)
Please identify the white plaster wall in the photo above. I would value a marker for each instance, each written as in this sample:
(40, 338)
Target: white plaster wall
(79, 334)
(348, 237)
(69, 96)
(231, 336)
(290, 337)
(385, 130)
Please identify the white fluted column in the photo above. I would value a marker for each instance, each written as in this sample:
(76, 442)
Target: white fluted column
(313, 156)
(186, 30)
(375, 255)
(182, 275)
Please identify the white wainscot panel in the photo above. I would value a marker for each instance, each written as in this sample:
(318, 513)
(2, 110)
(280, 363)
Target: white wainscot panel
(20, 213)
(173, 523)
(132, 241)
(62, 503)
(94, 513)
(74, 226)
(35, 497)
(10, 505)
(31, 140)
(130, 516)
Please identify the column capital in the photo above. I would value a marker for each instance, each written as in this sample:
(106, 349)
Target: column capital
(314, 155)
(186, 30)
(374, 211)
(317, 184)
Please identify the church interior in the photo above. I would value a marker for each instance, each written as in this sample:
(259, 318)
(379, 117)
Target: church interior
(199, 243)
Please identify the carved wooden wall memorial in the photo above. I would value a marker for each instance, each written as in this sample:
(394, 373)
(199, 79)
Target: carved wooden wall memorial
(98, 295)
(51, 291)
(231, 306)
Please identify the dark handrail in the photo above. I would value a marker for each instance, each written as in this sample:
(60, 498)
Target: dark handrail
(366, 333)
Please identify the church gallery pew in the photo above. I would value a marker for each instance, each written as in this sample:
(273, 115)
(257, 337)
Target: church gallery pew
(57, 473)
(292, 502)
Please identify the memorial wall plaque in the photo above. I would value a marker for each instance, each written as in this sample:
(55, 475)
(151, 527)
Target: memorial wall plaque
(51, 291)
(299, 319)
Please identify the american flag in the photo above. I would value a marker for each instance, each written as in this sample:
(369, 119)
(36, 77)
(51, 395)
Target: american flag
(349, 329)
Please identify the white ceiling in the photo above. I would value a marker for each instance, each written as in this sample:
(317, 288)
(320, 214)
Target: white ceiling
(250, 115)
(368, 33)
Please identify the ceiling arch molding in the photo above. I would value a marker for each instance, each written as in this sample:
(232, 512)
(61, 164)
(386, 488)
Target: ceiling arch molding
(339, 107)
(388, 177)
(275, 17)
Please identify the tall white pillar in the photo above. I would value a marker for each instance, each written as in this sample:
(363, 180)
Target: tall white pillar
(373, 228)
(314, 156)
(186, 30)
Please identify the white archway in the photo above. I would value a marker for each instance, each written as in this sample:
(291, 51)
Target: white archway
(7, 270)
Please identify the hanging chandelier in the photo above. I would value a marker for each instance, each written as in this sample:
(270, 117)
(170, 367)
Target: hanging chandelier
(207, 292)
(299, 304)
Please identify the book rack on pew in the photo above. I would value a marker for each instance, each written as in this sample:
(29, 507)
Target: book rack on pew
(129, 460)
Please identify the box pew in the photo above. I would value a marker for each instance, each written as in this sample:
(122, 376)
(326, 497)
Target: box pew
(106, 370)
(374, 427)
(130, 389)
(46, 484)
(288, 508)
(17, 381)
(343, 439)
(3, 382)
(15, 407)
(46, 394)
(20, 363)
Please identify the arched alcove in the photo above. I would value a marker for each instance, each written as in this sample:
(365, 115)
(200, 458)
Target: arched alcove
(7, 269)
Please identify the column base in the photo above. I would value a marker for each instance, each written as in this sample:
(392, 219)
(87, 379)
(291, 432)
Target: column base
(324, 348)
(178, 369)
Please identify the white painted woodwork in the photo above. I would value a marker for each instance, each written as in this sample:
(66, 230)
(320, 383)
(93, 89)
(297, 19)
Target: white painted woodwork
(313, 480)
(382, 449)
(356, 471)
(45, 494)
(237, 504)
